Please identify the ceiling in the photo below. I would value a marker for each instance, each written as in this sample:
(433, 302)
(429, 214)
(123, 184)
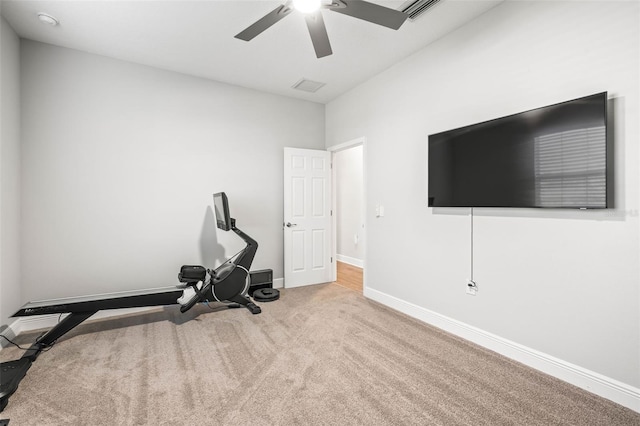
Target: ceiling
(197, 38)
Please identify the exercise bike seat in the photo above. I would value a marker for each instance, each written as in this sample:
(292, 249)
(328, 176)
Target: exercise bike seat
(192, 274)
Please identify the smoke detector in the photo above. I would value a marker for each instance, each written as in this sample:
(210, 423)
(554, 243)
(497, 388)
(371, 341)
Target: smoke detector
(45, 18)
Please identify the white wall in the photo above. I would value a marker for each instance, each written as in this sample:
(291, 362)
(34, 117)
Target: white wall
(9, 171)
(120, 162)
(564, 283)
(349, 205)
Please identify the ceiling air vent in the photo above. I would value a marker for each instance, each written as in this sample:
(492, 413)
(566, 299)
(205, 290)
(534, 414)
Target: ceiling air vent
(308, 85)
(416, 8)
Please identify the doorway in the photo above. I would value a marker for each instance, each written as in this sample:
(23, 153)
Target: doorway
(349, 213)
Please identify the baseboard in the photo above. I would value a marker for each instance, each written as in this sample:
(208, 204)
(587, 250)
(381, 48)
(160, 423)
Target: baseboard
(38, 322)
(7, 332)
(350, 260)
(278, 283)
(606, 387)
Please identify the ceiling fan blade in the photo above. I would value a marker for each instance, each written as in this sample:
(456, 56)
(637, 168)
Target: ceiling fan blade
(265, 22)
(370, 12)
(319, 36)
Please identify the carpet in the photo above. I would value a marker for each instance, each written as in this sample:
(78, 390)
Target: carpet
(320, 355)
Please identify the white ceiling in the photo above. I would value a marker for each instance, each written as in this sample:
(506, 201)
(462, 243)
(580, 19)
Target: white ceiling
(197, 38)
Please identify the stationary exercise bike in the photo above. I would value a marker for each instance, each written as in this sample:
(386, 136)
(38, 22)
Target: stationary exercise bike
(228, 283)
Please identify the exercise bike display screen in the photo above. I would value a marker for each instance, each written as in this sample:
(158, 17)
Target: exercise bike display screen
(221, 208)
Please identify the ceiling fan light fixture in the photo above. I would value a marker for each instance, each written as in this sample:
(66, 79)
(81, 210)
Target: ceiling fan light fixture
(307, 6)
(361, 9)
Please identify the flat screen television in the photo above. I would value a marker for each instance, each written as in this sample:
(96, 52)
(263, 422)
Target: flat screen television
(221, 210)
(550, 157)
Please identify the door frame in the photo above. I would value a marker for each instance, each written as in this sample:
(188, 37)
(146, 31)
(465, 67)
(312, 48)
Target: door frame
(334, 224)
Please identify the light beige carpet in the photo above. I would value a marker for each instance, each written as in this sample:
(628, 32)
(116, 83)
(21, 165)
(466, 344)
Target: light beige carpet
(321, 355)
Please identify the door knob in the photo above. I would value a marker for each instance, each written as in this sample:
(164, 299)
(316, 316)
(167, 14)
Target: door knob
(290, 225)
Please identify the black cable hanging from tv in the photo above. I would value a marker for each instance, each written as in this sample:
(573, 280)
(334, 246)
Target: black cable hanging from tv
(471, 277)
(472, 287)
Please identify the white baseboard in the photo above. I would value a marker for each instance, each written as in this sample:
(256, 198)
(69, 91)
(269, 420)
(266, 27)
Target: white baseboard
(606, 387)
(7, 332)
(278, 283)
(350, 260)
(38, 322)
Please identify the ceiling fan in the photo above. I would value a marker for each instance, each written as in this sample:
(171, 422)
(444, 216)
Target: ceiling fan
(311, 9)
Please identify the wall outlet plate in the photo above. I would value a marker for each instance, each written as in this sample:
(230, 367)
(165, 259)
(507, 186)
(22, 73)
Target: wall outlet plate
(472, 288)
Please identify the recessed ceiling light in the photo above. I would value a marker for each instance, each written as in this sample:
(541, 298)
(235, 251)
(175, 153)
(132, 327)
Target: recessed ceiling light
(48, 19)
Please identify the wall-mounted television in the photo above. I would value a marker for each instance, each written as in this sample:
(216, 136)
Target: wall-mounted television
(550, 157)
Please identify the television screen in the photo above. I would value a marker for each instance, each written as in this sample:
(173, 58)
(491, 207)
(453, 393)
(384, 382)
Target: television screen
(221, 209)
(553, 157)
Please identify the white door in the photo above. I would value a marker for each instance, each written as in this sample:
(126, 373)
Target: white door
(307, 217)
